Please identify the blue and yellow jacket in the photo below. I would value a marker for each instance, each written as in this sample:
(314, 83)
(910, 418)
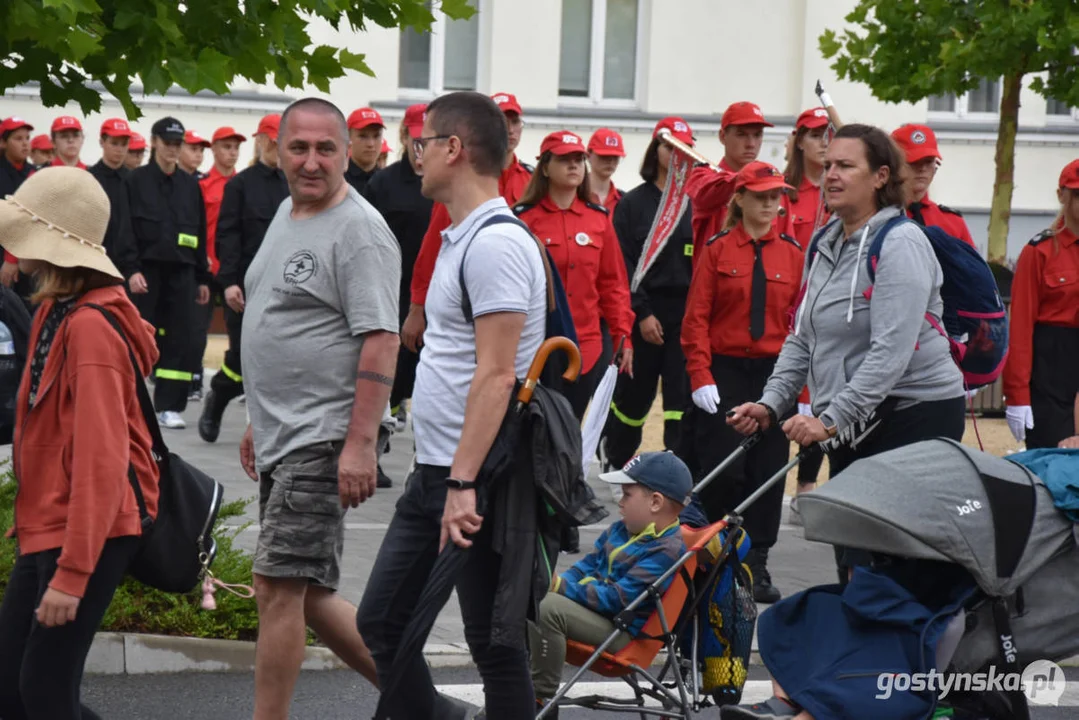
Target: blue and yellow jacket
(621, 567)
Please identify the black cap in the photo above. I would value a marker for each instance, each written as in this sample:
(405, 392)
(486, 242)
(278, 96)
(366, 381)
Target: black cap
(168, 128)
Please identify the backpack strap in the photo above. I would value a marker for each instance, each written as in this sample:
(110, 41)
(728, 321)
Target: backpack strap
(466, 301)
(873, 257)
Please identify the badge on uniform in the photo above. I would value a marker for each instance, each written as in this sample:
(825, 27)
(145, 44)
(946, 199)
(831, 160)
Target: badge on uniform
(583, 239)
(189, 241)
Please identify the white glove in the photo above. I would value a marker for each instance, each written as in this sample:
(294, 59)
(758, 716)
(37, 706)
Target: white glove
(1020, 419)
(707, 399)
(805, 409)
(971, 394)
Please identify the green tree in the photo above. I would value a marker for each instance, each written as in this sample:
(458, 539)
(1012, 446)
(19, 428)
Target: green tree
(907, 50)
(196, 44)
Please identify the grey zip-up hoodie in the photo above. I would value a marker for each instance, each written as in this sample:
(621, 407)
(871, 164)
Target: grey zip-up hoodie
(854, 353)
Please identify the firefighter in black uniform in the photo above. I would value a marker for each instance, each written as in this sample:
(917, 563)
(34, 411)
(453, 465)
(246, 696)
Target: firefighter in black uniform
(658, 304)
(365, 128)
(110, 172)
(250, 201)
(169, 222)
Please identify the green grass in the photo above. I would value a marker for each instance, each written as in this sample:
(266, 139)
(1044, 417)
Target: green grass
(137, 608)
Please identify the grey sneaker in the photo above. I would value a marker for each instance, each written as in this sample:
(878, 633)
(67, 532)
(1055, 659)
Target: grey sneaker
(771, 709)
(795, 514)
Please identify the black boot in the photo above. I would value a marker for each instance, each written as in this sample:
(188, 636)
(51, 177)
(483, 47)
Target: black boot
(763, 589)
(213, 409)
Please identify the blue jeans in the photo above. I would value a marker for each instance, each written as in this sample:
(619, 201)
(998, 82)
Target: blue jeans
(400, 573)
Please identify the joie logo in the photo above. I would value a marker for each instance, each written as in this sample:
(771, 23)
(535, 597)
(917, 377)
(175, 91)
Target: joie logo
(1009, 647)
(969, 507)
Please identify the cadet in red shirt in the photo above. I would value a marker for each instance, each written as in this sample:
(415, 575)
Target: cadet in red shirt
(745, 281)
(919, 144)
(742, 134)
(42, 151)
(512, 184)
(605, 152)
(557, 207)
(1040, 377)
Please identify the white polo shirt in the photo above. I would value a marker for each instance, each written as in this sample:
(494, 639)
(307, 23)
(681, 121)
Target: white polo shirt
(504, 273)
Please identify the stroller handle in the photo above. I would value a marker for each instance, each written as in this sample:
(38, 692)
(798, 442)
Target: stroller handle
(742, 449)
(780, 475)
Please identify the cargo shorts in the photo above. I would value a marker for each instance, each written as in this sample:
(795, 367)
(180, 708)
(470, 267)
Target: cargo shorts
(302, 523)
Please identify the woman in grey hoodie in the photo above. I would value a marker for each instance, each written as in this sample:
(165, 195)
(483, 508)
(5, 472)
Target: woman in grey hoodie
(879, 374)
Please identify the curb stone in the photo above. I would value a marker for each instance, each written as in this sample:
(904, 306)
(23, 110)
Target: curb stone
(138, 654)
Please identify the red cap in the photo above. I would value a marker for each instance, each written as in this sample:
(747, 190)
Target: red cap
(269, 125)
(116, 127)
(14, 123)
(41, 142)
(918, 142)
(813, 118)
(607, 142)
(1069, 176)
(562, 142)
(193, 138)
(228, 133)
(138, 142)
(759, 176)
(66, 122)
(414, 117)
(385, 147)
(507, 102)
(743, 113)
(364, 117)
(679, 129)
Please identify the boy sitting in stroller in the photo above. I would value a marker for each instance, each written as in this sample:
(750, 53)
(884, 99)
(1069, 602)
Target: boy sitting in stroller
(627, 558)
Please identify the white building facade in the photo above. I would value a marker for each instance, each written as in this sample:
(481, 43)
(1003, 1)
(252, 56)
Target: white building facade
(623, 64)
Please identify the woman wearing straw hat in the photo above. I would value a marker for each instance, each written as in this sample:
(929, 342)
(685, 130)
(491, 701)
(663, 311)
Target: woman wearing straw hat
(79, 432)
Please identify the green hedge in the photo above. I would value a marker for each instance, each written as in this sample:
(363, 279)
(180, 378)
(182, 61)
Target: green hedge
(137, 608)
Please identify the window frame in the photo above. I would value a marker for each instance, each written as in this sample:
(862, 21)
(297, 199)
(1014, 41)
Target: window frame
(962, 111)
(1053, 119)
(436, 76)
(595, 97)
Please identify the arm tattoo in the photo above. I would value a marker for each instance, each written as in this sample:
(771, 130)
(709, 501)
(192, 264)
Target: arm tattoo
(374, 377)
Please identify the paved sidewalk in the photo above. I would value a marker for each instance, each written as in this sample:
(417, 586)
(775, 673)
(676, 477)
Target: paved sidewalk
(795, 564)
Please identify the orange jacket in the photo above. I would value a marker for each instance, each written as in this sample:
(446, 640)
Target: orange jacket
(709, 194)
(213, 190)
(511, 186)
(1045, 290)
(611, 201)
(802, 214)
(717, 307)
(73, 448)
(585, 249)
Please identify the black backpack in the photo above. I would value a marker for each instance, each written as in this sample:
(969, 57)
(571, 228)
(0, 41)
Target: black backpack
(16, 319)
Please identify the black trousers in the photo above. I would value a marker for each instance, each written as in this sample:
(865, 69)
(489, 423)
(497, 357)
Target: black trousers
(169, 305)
(741, 380)
(1054, 382)
(924, 421)
(204, 315)
(41, 668)
(405, 379)
(228, 382)
(633, 397)
(400, 573)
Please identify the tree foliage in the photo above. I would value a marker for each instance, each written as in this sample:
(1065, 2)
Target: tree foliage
(907, 50)
(66, 45)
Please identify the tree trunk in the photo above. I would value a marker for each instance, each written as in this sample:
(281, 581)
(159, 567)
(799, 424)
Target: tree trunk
(1001, 211)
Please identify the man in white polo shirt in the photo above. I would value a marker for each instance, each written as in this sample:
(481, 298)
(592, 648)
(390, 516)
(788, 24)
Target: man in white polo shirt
(463, 384)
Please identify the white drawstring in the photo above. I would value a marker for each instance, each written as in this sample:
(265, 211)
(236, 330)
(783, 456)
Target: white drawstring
(854, 275)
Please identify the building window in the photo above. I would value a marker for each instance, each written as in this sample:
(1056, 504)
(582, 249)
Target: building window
(982, 100)
(598, 58)
(447, 58)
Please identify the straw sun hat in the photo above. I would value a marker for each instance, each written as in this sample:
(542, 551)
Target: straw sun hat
(58, 215)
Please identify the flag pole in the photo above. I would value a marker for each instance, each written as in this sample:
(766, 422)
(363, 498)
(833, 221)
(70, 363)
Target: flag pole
(666, 136)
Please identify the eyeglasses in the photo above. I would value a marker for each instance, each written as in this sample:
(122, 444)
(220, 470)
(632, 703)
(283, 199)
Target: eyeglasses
(418, 144)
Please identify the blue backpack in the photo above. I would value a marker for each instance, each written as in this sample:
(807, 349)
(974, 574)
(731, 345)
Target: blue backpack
(974, 319)
(559, 319)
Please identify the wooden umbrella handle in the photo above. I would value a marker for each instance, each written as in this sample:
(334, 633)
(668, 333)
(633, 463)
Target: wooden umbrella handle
(549, 346)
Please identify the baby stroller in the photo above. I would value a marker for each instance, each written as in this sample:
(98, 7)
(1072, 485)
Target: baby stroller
(941, 501)
(704, 621)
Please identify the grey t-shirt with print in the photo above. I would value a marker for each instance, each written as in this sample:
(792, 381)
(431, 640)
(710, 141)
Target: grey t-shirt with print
(314, 289)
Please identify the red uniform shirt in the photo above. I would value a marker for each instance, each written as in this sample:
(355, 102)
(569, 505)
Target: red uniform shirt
(611, 201)
(213, 190)
(944, 217)
(585, 250)
(1045, 290)
(511, 186)
(57, 162)
(802, 214)
(710, 193)
(717, 307)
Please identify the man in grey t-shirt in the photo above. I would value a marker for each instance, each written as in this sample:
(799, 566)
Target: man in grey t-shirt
(319, 345)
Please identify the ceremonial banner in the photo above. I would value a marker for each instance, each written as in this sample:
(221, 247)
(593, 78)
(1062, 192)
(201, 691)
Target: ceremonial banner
(671, 207)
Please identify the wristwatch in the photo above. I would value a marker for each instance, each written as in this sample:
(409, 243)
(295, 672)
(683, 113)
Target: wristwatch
(455, 484)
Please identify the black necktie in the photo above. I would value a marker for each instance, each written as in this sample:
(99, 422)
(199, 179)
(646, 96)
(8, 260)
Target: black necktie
(758, 294)
(916, 213)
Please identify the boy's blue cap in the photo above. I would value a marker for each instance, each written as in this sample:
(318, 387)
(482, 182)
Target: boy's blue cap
(663, 472)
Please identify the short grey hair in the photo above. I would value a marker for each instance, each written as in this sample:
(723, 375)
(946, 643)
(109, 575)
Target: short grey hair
(317, 105)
